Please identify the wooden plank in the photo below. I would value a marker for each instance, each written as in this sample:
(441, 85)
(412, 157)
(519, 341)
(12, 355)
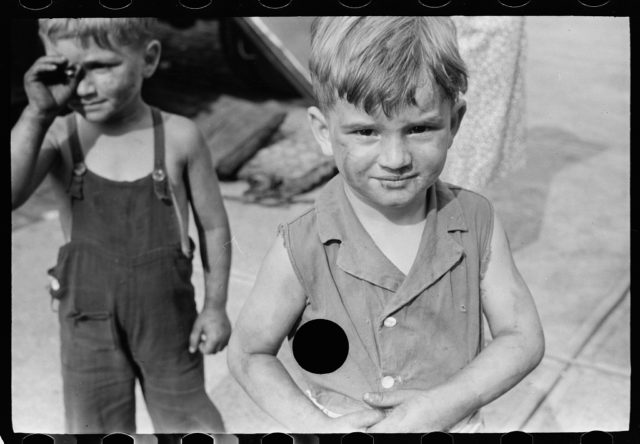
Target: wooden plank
(274, 37)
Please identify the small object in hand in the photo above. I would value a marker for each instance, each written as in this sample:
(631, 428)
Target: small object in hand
(64, 73)
(70, 71)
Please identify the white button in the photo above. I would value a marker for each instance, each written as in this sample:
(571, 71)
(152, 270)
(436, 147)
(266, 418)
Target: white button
(388, 381)
(390, 322)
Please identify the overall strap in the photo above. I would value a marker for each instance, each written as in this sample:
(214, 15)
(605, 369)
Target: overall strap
(79, 168)
(160, 181)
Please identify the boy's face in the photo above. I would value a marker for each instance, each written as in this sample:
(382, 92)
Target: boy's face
(389, 163)
(110, 78)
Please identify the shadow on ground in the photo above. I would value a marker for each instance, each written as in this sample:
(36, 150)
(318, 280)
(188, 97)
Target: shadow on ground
(520, 198)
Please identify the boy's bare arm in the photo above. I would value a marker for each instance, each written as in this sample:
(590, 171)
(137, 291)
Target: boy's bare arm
(516, 349)
(212, 328)
(31, 155)
(274, 305)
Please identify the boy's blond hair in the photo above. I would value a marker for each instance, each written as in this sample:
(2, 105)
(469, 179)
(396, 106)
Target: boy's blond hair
(105, 32)
(374, 62)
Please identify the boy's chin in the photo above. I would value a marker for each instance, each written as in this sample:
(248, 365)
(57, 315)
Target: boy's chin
(95, 116)
(394, 199)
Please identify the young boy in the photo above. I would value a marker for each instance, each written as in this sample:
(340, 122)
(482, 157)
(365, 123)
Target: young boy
(124, 174)
(404, 264)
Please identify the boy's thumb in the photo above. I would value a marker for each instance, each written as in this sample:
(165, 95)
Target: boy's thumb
(194, 339)
(383, 399)
(366, 418)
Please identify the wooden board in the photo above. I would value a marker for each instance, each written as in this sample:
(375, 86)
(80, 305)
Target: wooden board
(285, 43)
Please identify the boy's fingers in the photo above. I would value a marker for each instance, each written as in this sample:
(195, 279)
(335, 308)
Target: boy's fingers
(56, 60)
(384, 399)
(365, 418)
(382, 427)
(194, 338)
(45, 67)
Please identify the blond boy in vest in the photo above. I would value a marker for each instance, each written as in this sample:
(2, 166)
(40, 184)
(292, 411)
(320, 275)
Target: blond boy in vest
(402, 263)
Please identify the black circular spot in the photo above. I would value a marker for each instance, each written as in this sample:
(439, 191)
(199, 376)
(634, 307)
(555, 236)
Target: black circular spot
(38, 438)
(354, 3)
(118, 438)
(194, 4)
(437, 438)
(277, 438)
(357, 438)
(596, 437)
(274, 4)
(115, 4)
(434, 3)
(517, 437)
(320, 346)
(514, 3)
(35, 5)
(197, 438)
(594, 3)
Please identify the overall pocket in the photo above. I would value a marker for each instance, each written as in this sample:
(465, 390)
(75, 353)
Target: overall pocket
(79, 280)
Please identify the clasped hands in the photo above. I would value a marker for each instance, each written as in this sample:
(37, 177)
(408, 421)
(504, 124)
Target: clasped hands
(400, 411)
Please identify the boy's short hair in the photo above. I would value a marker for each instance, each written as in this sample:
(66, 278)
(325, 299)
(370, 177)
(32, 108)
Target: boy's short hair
(376, 62)
(105, 32)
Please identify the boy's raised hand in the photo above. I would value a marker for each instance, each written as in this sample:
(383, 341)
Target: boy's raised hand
(210, 332)
(49, 84)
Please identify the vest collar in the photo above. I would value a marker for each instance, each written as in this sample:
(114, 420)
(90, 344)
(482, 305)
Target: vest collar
(360, 257)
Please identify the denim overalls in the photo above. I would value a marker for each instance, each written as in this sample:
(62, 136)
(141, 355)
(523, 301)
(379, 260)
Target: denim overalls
(127, 304)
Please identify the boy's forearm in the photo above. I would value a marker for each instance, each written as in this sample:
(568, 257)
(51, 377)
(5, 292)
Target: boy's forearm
(499, 367)
(27, 136)
(216, 260)
(269, 384)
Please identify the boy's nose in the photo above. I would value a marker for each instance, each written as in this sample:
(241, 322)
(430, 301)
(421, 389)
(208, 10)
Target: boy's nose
(394, 154)
(85, 85)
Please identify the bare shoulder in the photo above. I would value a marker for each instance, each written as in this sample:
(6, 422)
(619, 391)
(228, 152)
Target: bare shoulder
(182, 134)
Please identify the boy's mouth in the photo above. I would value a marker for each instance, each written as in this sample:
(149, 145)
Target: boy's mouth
(396, 181)
(87, 104)
(396, 178)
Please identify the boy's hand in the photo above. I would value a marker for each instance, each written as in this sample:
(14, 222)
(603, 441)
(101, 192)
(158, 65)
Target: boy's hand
(210, 332)
(358, 421)
(410, 411)
(49, 84)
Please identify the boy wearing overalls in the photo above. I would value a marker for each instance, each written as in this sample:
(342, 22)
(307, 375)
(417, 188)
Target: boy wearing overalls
(125, 175)
(404, 264)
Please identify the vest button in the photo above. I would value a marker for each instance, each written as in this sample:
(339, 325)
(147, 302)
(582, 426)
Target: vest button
(390, 322)
(388, 381)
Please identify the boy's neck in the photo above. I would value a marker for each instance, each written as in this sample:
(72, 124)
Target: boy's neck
(407, 215)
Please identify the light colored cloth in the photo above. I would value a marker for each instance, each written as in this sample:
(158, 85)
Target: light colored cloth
(404, 332)
(491, 140)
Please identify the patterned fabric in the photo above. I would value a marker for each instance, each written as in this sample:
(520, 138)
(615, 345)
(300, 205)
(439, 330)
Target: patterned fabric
(491, 140)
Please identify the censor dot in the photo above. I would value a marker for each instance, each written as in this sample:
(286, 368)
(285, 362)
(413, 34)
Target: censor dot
(320, 346)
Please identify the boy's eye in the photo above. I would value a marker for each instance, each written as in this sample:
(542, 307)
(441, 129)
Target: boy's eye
(100, 67)
(364, 132)
(419, 129)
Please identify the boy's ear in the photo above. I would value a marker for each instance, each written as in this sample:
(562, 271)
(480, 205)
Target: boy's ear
(457, 113)
(320, 129)
(151, 57)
